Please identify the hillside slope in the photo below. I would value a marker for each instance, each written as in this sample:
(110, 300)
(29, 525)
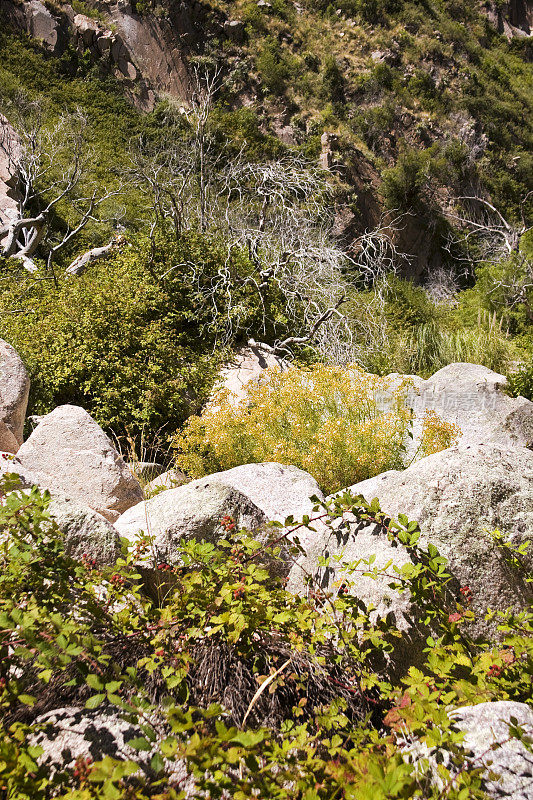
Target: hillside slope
(422, 101)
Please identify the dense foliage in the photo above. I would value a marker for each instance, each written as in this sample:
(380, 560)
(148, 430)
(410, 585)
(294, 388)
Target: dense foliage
(158, 376)
(134, 340)
(186, 673)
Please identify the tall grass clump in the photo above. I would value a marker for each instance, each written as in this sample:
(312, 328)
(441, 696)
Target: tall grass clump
(341, 425)
(430, 346)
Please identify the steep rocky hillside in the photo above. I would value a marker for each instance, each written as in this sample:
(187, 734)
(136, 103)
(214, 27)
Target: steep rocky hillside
(409, 104)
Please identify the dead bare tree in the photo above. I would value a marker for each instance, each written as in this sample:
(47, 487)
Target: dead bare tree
(177, 174)
(51, 168)
(482, 223)
(280, 213)
(487, 237)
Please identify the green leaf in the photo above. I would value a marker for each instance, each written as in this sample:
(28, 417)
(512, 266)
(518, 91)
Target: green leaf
(249, 738)
(140, 743)
(157, 763)
(27, 699)
(94, 701)
(94, 682)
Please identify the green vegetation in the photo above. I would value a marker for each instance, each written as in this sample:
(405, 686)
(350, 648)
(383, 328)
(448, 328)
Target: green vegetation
(133, 341)
(214, 665)
(184, 673)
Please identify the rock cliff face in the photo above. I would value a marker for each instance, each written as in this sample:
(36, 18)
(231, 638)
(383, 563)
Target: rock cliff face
(147, 54)
(514, 18)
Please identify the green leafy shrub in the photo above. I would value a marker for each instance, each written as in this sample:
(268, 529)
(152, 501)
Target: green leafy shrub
(332, 89)
(405, 185)
(273, 67)
(257, 692)
(132, 341)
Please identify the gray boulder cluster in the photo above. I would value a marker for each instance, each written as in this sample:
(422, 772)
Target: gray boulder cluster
(459, 497)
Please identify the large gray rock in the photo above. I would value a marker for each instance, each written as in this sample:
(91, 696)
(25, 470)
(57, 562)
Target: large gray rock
(252, 494)
(458, 496)
(69, 453)
(473, 397)
(487, 725)
(85, 531)
(14, 391)
(506, 764)
(278, 490)
(193, 511)
(9, 155)
(69, 734)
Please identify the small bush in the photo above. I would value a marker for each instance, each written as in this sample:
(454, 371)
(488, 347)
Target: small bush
(430, 347)
(332, 89)
(273, 67)
(437, 435)
(521, 381)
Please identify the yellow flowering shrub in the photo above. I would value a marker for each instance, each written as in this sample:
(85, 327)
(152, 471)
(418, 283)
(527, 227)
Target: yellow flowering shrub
(437, 434)
(339, 424)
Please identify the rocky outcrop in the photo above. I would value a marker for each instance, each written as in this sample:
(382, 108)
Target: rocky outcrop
(458, 496)
(14, 391)
(69, 453)
(251, 495)
(147, 52)
(469, 396)
(246, 366)
(473, 397)
(489, 742)
(514, 18)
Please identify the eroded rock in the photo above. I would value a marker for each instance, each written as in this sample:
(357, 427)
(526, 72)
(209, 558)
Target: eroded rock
(71, 733)
(459, 496)
(69, 453)
(473, 397)
(14, 391)
(488, 739)
(85, 531)
(253, 495)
